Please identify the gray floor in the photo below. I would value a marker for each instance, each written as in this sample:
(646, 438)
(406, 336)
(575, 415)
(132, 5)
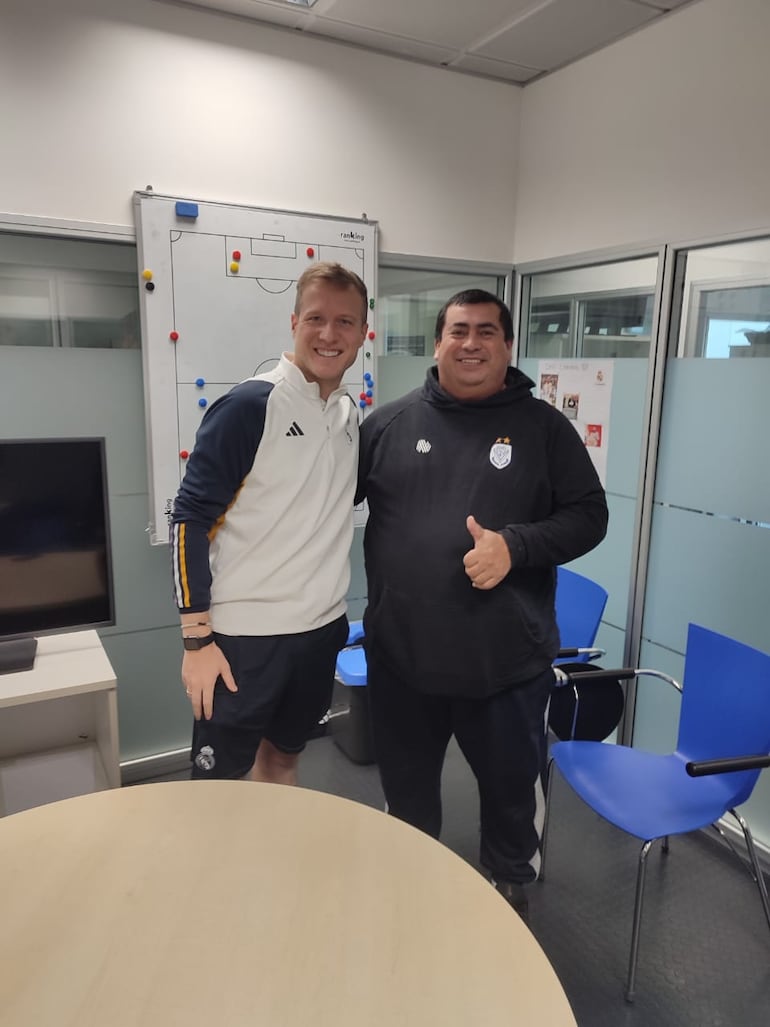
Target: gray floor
(705, 949)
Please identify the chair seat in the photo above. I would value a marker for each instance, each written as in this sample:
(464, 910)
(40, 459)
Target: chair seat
(645, 794)
(351, 667)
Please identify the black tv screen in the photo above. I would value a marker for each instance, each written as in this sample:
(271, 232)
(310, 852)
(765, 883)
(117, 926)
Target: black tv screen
(55, 561)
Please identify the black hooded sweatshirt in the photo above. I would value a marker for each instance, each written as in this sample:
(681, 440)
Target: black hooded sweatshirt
(519, 467)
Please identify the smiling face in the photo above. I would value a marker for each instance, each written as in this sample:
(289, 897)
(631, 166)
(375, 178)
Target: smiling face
(472, 354)
(328, 332)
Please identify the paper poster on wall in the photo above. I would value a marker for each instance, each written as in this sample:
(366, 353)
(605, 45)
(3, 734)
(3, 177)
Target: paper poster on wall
(582, 390)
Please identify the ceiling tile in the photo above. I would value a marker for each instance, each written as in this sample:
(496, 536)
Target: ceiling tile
(564, 30)
(514, 40)
(445, 22)
(381, 41)
(285, 15)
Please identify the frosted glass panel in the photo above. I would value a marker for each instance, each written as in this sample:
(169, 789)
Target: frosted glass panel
(710, 571)
(716, 425)
(709, 559)
(657, 704)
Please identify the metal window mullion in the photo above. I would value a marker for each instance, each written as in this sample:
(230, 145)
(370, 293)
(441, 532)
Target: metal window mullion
(54, 309)
(580, 322)
(640, 551)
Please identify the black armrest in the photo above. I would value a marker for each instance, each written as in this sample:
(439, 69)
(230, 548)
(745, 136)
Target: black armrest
(728, 765)
(596, 674)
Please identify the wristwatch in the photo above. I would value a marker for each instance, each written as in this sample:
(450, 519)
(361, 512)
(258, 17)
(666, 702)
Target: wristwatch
(194, 642)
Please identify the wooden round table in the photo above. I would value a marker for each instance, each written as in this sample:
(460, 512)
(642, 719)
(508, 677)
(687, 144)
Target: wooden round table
(235, 904)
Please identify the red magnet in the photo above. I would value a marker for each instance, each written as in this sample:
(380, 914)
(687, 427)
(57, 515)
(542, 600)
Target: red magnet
(183, 453)
(173, 336)
(368, 401)
(310, 251)
(236, 254)
(362, 395)
(371, 335)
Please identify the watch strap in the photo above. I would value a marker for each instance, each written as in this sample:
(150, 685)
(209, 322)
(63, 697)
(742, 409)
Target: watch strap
(194, 642)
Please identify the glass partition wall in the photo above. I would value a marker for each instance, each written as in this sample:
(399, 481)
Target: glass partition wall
(409, 301)
(709, 546)
(600, 319)
(688, 477)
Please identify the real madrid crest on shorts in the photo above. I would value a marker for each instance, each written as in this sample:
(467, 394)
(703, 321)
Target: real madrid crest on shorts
(205, 758)
(500, 453)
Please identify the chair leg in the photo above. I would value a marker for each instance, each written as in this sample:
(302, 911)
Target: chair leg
(637, 926)
(546, 819)
(757, 870)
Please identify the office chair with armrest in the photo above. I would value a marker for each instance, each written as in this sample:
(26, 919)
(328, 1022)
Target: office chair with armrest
(580, 603)
(725, 714)
(577, 711)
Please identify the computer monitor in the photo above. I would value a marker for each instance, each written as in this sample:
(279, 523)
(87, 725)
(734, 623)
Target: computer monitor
(55, 554)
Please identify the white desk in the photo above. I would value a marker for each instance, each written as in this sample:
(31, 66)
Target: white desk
(58, 724)
(253, 905)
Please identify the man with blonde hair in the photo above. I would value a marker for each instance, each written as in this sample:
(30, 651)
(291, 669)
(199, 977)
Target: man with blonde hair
(261, 533)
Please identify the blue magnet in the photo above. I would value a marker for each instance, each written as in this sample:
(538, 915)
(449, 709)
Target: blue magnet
(200, 382)
(369, 392)
(186, 210)
(202, 402)
(362, 404)
(367, 376)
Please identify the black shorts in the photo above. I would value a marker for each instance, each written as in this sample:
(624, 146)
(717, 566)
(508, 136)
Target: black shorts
(285, 686)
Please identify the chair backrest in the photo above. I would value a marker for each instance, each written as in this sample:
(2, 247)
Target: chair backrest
(580, 604)
(725, 704)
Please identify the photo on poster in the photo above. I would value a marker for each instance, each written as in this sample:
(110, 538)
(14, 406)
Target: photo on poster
(549, 385)
(570, 405)
(593, 435)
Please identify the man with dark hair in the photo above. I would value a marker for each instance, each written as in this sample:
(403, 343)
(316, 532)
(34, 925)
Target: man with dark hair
(261, 534)
(476, 492)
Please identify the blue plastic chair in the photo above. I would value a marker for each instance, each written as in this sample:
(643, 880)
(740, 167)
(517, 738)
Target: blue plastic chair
(350, 728)
(580, 604)
(725, 714)
(576, 710)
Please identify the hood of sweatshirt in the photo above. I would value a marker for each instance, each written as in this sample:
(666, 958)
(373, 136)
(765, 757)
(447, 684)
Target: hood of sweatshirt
(517, 386)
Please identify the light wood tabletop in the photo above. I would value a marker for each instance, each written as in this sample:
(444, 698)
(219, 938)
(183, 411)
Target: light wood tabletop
(235, 903)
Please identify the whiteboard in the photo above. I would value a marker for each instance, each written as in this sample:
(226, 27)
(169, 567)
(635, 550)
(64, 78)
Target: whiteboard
(217, 289)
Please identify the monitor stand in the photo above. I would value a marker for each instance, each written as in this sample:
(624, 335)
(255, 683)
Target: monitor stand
(17, 654)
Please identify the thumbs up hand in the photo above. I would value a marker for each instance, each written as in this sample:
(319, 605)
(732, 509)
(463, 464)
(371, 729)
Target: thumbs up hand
(489, 560)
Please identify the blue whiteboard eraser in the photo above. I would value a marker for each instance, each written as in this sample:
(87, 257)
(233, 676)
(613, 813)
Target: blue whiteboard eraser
(186, 210)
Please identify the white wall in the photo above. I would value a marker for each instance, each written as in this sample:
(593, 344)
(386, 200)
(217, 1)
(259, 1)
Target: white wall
(102, 97)
(661, 136)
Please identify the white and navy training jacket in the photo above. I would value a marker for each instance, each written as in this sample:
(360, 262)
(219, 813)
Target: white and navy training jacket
(263, 520)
